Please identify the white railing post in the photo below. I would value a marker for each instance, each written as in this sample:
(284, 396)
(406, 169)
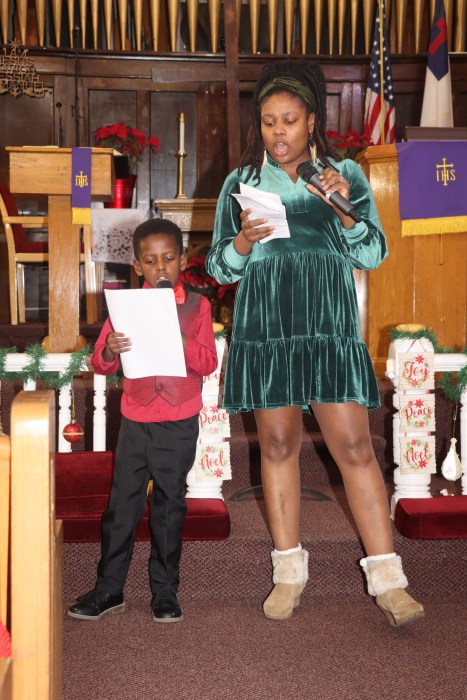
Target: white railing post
(64, 416)
(100, 415)
(463, 440)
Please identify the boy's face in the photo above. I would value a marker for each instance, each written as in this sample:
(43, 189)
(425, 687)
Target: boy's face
(159, 259)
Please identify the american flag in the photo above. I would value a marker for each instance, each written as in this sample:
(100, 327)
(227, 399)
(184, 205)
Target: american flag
(437, 97)
(377, 105)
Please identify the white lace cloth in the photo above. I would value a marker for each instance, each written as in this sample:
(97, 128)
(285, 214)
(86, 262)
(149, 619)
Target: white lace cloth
(112, 231)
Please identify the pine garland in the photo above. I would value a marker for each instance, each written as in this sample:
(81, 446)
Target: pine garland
(428, 333)
(453, 384)
(34, 371)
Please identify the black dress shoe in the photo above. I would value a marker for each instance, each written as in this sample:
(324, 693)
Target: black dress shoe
(166, 610)
(85, 596)
(95, 604)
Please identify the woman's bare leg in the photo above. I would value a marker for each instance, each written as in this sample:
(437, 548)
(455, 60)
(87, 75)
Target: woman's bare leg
(345, 428)
(280, 437)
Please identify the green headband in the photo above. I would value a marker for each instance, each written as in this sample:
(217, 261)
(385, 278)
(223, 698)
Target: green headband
(289, 84)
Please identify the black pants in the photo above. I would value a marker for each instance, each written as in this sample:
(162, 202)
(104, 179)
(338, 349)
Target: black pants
(165, 452)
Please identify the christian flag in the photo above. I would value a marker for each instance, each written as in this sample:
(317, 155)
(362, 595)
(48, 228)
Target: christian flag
(379, 101)
(437, 98)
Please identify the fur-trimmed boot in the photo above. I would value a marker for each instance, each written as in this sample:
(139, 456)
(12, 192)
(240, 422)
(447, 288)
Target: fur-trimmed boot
(290, 574)
(387, 581)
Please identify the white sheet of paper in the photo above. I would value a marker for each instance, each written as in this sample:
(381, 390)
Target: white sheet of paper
(265, 205)
(149, 317)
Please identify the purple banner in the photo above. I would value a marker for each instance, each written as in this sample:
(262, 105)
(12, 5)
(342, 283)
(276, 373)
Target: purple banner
(432, 179)
(81, 178)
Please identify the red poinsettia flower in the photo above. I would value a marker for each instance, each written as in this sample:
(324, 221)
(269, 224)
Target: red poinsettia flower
(345, 145)
(127, 140)
(196, 277)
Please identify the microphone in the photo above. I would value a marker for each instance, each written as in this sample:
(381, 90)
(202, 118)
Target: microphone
(309, 173)
(164, 284)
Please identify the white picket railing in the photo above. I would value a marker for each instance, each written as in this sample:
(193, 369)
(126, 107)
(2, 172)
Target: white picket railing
(59, 362)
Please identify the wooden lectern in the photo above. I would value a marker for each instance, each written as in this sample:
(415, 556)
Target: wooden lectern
(47, 170)
(424, 279)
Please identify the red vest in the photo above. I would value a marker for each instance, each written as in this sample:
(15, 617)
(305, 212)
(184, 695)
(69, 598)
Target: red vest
(175, 390)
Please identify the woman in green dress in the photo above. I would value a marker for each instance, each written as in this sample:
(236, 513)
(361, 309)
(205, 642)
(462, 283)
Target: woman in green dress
(296, 338)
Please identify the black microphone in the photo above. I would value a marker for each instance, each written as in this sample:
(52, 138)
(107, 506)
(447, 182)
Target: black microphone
(164, 284)
(309, 173)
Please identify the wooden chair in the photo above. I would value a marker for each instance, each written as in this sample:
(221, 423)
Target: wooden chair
(22, 251)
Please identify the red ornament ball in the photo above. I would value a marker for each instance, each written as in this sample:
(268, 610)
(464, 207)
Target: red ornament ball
(73, 432)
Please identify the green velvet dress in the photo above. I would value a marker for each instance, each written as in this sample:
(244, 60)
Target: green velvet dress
(296, 332)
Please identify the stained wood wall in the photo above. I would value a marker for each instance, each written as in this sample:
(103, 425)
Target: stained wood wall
(148, 89)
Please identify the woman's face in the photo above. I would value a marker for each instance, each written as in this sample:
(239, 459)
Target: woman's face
(285, 129)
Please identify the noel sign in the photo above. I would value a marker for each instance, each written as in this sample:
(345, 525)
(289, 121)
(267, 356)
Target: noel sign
(418, 454)
(213, 461)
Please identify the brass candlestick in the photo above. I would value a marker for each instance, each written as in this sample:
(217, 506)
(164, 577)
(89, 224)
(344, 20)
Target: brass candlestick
(180, 157)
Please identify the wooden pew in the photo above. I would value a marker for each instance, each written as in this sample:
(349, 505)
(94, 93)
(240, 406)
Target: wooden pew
(34, 593)
(6, 690)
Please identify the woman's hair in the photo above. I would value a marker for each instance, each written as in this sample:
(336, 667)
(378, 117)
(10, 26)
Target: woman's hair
(311, 77)
(153, 227)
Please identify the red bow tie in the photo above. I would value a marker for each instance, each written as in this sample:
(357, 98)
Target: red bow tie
(180, 294)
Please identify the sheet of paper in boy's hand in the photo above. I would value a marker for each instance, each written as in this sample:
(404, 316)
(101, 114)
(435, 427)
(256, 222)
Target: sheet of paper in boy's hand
(265, 205)
(149, 317)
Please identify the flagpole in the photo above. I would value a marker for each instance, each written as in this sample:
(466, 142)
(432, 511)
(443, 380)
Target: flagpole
(381, 70)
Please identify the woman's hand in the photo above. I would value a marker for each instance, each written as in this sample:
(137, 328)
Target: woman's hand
(252, 231)
(116, 343)
(332, 181)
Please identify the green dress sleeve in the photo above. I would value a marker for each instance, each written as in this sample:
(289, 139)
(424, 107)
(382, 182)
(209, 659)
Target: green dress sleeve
(364, 244)
(223, 262)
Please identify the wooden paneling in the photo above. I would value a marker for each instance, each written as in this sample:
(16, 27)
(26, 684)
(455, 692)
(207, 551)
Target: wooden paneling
(165, 108)
(212, 139)
(26, 121)
(148, 91)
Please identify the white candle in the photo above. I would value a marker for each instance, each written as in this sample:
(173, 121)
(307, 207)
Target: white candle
(181, 133)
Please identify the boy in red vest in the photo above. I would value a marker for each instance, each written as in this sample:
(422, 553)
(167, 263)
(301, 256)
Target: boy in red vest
(157, 438)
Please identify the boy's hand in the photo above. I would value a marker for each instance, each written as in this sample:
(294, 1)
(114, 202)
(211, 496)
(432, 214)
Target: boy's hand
(116, 343)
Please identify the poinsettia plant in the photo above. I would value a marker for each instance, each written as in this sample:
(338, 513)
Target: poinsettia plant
(196, 277)
(349, 144)
(127, 140)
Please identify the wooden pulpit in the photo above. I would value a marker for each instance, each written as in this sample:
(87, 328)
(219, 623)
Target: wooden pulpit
(47, 171)
(424, 278)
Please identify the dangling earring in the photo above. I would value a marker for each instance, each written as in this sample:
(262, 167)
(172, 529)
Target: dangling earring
(265, 159)
(312, 147)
